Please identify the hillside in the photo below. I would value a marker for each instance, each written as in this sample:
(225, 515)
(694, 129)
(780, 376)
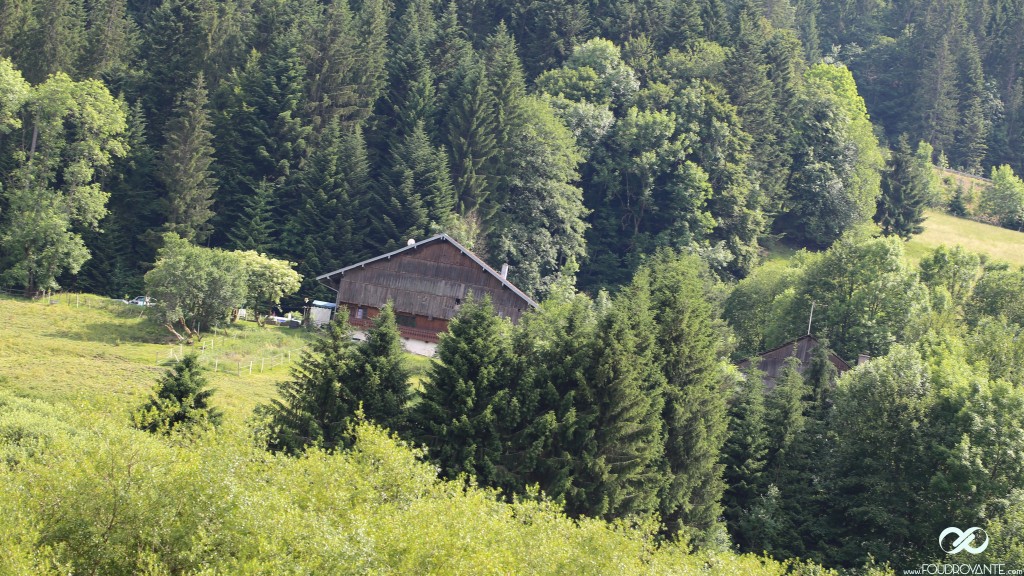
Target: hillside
(73, 367)
(102, 353)
(942, 229)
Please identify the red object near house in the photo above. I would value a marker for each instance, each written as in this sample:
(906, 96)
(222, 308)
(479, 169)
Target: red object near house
(426, 282)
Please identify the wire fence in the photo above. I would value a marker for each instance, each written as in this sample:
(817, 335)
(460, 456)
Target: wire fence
(226, 363)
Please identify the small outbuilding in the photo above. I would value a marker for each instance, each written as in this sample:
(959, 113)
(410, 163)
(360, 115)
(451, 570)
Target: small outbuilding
(427, 282)
(771, 362)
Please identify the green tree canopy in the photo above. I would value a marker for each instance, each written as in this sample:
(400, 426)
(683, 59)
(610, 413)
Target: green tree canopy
(181, 401)
(70, 132)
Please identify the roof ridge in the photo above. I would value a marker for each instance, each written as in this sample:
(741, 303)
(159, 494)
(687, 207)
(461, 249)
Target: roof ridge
(441, 236)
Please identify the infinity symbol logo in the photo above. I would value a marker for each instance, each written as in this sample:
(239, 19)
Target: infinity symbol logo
(964, 540)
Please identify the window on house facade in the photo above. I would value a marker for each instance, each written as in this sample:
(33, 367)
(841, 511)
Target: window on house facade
(406, 320)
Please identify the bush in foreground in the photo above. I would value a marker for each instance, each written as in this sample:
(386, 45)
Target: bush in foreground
(105, 499)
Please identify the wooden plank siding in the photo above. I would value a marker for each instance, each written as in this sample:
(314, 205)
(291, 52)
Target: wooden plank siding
(430, 281)
(426, 282)
(426, 329)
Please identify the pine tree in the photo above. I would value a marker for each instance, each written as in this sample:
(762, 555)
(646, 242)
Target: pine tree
(743, 454)
(618, 443)
(448, 54)
(904, 193)
(553, 357)
(937, 96)
(130, 229)
(410, 97)
(181, 400)
(422, 198)
(471, 137)
(784, 420)
(380, 378)
(185, 166)
(319, 234)
(346, 63)
(973, 126)
(261, 130)
(508, 87)
(175, 47)
(315, 405)
(750, 88)
(53, 42)
(456, 416)
(255, 229)
(695, 413)
(111, 40)
(15, 18)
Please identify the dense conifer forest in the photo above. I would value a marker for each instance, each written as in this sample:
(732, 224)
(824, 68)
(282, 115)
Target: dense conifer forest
(539, 134)
(631, 161)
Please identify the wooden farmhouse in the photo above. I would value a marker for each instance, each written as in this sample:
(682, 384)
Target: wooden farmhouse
(772, 361)
(427, 282)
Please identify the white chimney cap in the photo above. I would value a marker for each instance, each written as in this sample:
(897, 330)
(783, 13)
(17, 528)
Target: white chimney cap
(410, 242)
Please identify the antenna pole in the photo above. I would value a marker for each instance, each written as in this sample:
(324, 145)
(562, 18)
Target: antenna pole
(811, 319)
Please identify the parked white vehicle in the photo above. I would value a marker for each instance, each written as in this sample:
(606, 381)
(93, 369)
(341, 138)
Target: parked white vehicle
(140, 301)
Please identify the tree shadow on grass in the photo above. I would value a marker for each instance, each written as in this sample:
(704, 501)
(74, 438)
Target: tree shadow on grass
(114, 334)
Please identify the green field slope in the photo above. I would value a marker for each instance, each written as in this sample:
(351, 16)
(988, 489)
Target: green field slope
(942, 229)
(85, 493)
(106, 354)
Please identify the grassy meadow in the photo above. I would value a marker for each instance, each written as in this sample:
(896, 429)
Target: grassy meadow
(72, 369)
(942, 229)
(97, 353)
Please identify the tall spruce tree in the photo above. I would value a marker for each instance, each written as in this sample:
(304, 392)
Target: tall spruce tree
(346, 60)
(617, 442)
(448, 53)
(750, 87)
(53, 42)
(319, 234)
(421, 178)
(904, 193)
(260, 128)
(508, 87)
(380, 378)
(743, 454)
(314, 404)
(456, 417)
(112, 40)
(255, 228)
(695, 412)
(176, 47)
(410, 97)
(185, 166)
(471, 136)
(130, 234)
(784, 420)
(552, 360)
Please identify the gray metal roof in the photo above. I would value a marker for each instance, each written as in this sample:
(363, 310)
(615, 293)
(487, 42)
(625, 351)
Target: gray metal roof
(440, 237)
